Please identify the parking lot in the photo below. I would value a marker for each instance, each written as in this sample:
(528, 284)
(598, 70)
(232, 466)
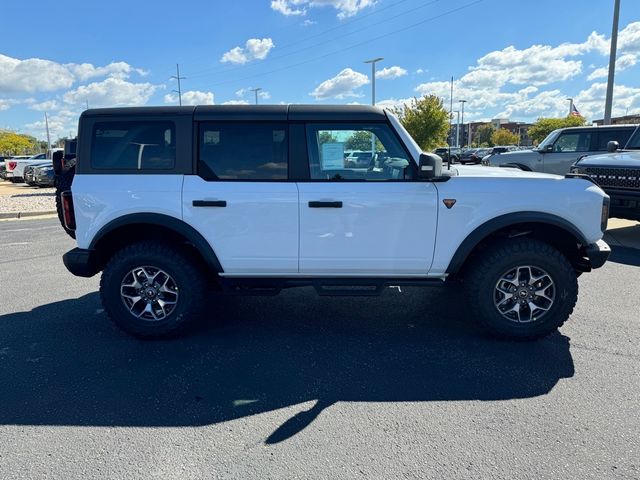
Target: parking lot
(299, 386)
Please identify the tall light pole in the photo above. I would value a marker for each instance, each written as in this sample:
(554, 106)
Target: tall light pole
(463, 102)
(570, 100)
(373, 62)
(256, 90)
(178, 77)
(457, 128)
(612, 63)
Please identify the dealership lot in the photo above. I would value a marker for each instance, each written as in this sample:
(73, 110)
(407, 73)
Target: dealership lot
(298, 385)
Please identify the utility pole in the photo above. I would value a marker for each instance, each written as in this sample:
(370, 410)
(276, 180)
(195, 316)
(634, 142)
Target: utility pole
(178, 77)
(463, 102)
(373, 62)
(255, 90)
(612, 63)
(46, 124)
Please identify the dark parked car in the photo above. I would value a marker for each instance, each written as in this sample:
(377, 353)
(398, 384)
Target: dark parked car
(443, 152)
(618, 174)
(44, 176)
(29, 172)
(478, 155)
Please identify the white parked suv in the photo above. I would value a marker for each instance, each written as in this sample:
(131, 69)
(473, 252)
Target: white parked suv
(168, 201)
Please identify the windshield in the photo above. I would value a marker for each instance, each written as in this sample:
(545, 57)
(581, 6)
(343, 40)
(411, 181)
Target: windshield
(634, 141)
(408, 140)
(549, 139)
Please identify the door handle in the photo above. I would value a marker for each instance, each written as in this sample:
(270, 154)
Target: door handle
(209, 203)
(318, 204)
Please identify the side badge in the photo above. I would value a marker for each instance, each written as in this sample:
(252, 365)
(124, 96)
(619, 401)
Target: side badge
(449, 202)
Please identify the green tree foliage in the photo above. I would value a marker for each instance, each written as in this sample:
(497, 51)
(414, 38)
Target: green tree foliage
(426, 120)
(361, 140)
(484, 135)
(326, 137)
(16, 144)
(544, 126)
(503, 136)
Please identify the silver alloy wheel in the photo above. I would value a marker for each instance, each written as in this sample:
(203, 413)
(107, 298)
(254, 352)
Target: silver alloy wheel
(149, 293)
(524, 294)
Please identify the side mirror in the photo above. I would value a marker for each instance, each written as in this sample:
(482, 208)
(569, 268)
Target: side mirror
(57, 162)
(612, 146)
(430, 165)
(548, 148)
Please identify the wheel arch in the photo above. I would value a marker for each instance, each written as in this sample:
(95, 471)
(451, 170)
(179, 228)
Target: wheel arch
(549, 228)
(142, 226)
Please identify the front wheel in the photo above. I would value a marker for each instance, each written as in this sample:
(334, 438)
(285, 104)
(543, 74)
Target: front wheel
(152, 290)
(521, 289)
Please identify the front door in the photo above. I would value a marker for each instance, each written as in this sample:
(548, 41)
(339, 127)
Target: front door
(363, 212)
(569, 146)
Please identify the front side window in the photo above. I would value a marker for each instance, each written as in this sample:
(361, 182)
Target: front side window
(362, 152)
(243, 151)
(134, 145)
(611, 134)
(573, 142)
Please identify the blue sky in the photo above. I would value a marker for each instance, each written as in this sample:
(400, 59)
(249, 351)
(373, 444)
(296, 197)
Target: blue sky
(510, 58)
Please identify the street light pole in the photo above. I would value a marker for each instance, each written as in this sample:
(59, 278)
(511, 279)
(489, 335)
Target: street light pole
(457, 128)
(570, 100)
(612, 63)
(373, 62)
(463, 102)
(255, 90)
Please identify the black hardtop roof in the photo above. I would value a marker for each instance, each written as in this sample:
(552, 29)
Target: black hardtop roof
(252, 112)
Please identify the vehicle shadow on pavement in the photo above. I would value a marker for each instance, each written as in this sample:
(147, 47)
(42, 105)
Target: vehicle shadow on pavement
(65, 364)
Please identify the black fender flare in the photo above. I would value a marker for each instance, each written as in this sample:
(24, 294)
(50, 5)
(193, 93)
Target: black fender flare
(498, 223)
(166, 221)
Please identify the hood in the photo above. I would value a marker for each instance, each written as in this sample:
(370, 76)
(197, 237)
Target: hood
(497, 172)
(623, 158)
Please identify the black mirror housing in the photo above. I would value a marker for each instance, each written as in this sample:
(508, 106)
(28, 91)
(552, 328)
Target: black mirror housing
(57, 162)
(612, 146)
(430, 165)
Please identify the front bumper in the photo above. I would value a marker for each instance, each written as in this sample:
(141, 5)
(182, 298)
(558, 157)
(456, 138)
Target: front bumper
(597, 253)
(81, 262)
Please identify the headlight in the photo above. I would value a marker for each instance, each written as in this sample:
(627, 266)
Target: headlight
(604, 218)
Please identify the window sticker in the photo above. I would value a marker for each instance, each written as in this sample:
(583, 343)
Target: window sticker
(332, 157)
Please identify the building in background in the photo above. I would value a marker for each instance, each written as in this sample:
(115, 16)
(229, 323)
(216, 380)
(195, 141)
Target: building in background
(469, 131)
(624, 120)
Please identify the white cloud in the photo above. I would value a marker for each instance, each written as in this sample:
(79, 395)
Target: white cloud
(7, 103)
(47, 105)
(85, 71)
(263, 94)
(111, 92)
(390, 73)
(32, 75)
(345, 8)
(622, 63)
(191, 97)
(254, 49)
(341, 86)
(61, 124)
(236, 102)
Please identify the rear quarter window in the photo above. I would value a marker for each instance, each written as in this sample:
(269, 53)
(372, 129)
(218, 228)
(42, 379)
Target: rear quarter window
(133, 145)
(619, 135)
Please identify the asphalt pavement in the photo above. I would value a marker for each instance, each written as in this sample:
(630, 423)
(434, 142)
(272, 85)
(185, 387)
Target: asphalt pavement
(301, 386)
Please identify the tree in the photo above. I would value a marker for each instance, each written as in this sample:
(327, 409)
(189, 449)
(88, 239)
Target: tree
(484, 135)
(16, 144)
(544, 126)
(503, 136)
(361, 140)
(326, 137)
(426, 120)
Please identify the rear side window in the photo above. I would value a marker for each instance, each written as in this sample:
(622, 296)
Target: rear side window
(607, 135)
(134, 145)
(243, 151)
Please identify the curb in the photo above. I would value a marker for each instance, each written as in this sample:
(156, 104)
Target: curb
(18, 215)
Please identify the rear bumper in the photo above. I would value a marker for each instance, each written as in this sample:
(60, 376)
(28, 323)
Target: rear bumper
(80, 262)
(597, 253)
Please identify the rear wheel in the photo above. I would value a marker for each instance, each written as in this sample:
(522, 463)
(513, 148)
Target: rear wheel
(152, 290)
(521, 289)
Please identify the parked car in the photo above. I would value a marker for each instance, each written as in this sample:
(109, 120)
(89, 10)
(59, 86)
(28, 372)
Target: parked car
(563, 147)
(15, 166)
(477, 156)
(44, 176)
(249, 198)
(29, 172)
(465, 155)
(618, 174)
(3, 170)
(443, 152)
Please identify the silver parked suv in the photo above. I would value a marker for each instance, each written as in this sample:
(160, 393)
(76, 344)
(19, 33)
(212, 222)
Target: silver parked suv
(562, 148)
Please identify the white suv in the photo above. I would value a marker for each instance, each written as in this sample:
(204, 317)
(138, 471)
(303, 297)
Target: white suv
(168, 201)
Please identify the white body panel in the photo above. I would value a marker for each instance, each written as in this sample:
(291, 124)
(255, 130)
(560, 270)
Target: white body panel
(383, 228)
(99, 199)
(18, 171)
(484, 193)
(256, 233)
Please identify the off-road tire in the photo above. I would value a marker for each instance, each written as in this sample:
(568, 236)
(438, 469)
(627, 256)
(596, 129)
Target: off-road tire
(190, 280)
(63, 184)
(489, 264)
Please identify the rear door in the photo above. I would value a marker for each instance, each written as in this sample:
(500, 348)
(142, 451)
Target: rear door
(606, 135)
(241, 200)
(368, 220)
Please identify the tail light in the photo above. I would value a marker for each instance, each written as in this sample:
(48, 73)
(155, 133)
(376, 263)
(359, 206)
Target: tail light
(67, 210)
(604, 216)
(11, 166)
